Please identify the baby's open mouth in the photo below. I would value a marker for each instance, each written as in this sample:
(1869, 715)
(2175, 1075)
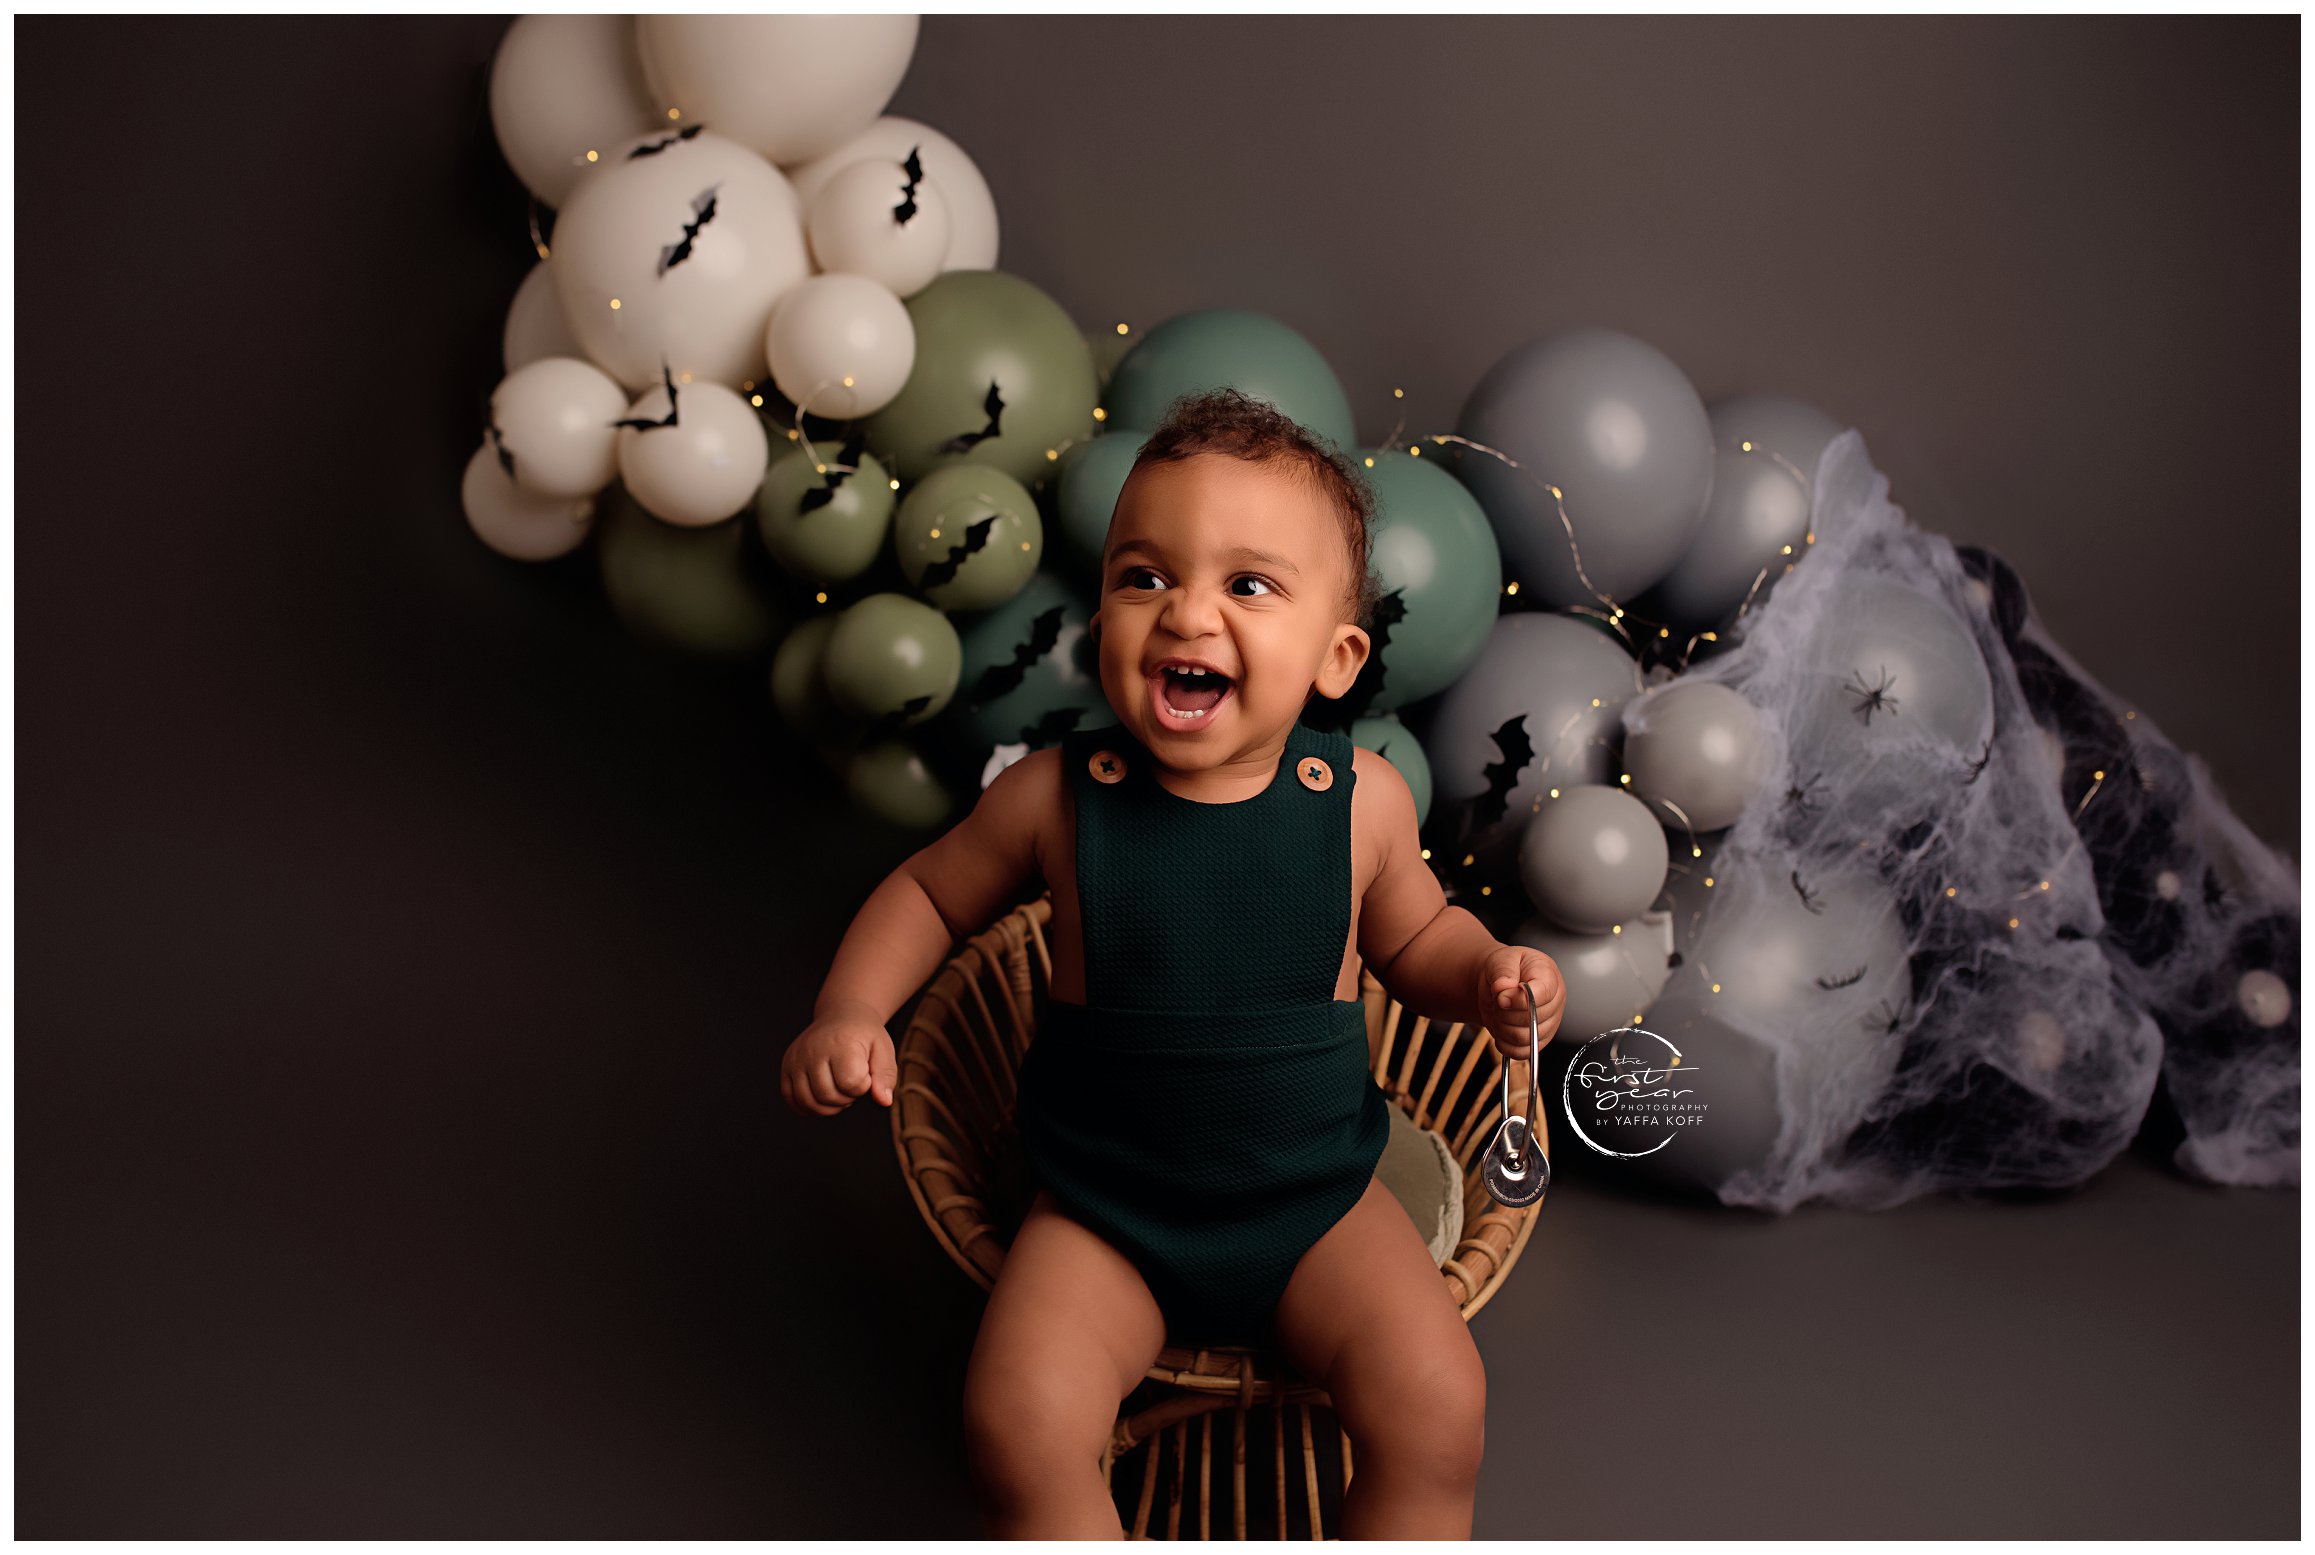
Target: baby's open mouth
(1188, 697)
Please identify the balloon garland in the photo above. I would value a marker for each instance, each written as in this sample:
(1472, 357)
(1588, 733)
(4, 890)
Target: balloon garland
(1917, 903)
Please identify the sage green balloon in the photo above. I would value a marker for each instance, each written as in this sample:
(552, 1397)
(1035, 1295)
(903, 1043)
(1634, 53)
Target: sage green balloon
(892, 660)
(801, 696)
(1230, 348)
(681, 587)
(1395, 743)
(968, 537)
(842, 534)
(1002, 377)
(1109, 347)
(1441, 572)
(890, 780)
(1092, 476)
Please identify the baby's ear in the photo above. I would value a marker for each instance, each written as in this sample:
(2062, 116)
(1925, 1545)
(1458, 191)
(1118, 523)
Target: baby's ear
(1343, 662)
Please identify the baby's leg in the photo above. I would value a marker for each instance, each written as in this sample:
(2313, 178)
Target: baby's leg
(1368, 1316)
(1070, 1329)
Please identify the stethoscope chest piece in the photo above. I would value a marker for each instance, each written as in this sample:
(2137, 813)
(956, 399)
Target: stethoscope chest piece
(1515, 1169)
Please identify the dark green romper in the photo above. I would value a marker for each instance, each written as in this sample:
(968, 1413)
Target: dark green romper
(1209, 1110)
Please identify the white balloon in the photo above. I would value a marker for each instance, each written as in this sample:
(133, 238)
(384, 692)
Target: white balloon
(674, 255)
(855, 227)
(972, 209)
(560, 87)
(702, 467)
(519, 523)
(555, 419)
(535, 326)
(790, 86)
(841, 346)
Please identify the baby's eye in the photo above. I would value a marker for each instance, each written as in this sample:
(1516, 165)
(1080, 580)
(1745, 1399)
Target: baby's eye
(1248, 577)
(1126, 582)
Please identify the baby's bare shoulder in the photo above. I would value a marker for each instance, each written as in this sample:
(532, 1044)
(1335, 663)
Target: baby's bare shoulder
(986, 862)
(1381, 804)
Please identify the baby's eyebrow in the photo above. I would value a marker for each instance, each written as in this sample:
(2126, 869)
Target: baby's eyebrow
(1236, 552)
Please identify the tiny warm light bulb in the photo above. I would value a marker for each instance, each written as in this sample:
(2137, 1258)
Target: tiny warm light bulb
(2013, 923)
(791, 434)
(1615, 928)
(1415, 450)
(2100, 776)
(1468, 857)
(1746, 445)
(1788, 550)
(1487, 890)
(755, 399)
(1712, 637)
(1626, 778)
(1024, 545)
(1716, 988)
(1555, 793)
(1708, 886)
(675, 113)
(687, 377)
(820, 598)
(1099, 414)
(1512, 587)
(936, 534)
(1052, 453)
(1949, 891)
(1663, 631)
(819, 469)
(1557, 493)
(1595, 701)
(1370, 463)
(592, 157)
(1124, 329)
(1398, 394)
(847, 380)
(1426, 853)
(614, 305)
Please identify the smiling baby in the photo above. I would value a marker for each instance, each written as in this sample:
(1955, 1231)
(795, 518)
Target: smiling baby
(1197, 1105)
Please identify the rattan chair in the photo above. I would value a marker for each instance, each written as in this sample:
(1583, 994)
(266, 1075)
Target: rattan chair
(953, 1126)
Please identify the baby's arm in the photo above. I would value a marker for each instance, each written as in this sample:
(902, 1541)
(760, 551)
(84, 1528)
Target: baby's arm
(947, 890)
(1436, 959)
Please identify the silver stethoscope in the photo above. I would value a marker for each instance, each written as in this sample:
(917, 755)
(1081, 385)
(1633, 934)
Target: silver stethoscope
(1516, 1170)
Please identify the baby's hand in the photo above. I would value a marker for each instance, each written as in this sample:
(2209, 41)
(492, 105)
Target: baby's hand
(838, 1058)
(1501, 976)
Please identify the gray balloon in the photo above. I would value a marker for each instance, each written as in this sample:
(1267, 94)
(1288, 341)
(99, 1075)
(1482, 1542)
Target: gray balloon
(1695, 753)
(1793, 433)
(1756, 525)
(1592, 858)
(1896, 693)
(1615, 425)
(1396, 744)
(1526, 709)
(1611, 978)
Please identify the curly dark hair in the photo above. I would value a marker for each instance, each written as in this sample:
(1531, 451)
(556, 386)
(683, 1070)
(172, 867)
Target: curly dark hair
(1229, 421)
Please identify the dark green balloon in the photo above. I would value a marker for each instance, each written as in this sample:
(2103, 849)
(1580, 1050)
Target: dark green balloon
(891, 659)
(1230, 347)
(840, 536)
(979, 331)
(1395, 743)
(1092, 475)
(1441, 572)
(892, 782)
(680, 587)
(1029, 671)
(968, 537)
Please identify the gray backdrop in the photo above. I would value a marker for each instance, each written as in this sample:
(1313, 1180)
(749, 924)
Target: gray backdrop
(405, 958)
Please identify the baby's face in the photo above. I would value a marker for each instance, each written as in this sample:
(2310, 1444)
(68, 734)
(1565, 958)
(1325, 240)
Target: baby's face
(1242, 567)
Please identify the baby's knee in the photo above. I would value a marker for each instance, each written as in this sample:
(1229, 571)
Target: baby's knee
(1024, 1417)
(1426, 1409)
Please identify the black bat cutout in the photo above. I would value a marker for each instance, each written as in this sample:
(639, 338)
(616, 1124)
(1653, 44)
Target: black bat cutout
(976, 539)
(994, 404)
(905, 211)
(900, 717)
(998, 679)
(703, 208)
(657, 146)
(505, 454)
(1835, 984)
(1390, 610)
(1810, 901)
(1055, 723)
(849, 457)
(1503, 776)
(674, 409)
